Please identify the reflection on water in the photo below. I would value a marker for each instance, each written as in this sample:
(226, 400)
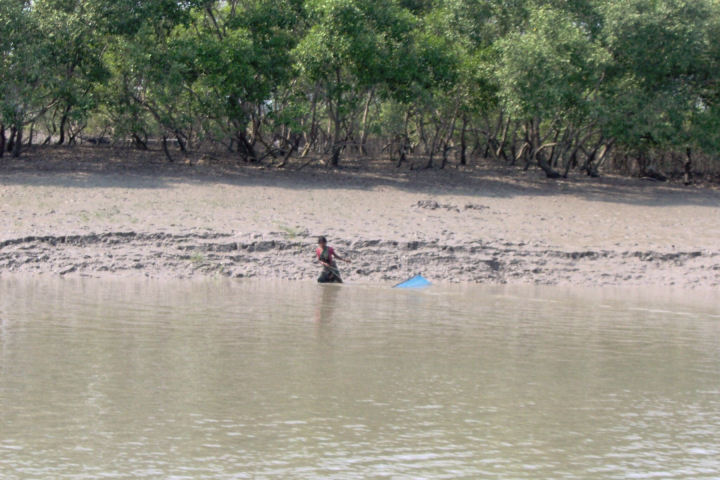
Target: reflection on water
(223, 379)
(326, 303)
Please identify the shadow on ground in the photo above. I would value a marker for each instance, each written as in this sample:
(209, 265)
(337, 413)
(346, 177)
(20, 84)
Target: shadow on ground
(105, 167)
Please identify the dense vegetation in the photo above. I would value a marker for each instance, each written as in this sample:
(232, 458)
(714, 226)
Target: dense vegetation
(561, 85)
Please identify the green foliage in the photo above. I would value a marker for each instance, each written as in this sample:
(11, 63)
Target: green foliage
(551, 69)
(23, 57)
(660, 59)
(260, 75)
(351, 47)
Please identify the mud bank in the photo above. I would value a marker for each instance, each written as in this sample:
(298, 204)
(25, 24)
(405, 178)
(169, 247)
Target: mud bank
(276, 256)
(102, 216)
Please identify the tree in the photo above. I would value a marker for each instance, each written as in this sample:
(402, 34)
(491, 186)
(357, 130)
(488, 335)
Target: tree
(654, 97)
(550, 76)
(23, 56)
(553, 83)
(347, 51)
(74, 53)
(243, 63)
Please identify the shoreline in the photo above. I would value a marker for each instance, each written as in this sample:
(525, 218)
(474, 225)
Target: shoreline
(100, 217)
(158, 255)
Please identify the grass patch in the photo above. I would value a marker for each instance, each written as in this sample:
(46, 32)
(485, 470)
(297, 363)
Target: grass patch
(197, 258)
(291, 232)
(107, 214)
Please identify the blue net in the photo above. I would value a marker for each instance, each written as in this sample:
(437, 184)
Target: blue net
(418, 281)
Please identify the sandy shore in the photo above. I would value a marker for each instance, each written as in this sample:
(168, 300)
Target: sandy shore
(97, 216)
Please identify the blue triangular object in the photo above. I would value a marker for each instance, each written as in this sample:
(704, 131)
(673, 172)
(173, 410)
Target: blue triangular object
(418, 281)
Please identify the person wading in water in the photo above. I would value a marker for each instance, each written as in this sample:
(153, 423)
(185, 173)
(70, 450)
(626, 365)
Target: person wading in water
(326, 256)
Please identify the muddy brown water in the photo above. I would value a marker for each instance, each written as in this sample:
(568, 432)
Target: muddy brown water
(269, 380)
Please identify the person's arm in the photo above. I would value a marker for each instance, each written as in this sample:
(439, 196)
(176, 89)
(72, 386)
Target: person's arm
(341, 258)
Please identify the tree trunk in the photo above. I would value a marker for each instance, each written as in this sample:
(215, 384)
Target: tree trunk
(181, 142)
(447, 146)
(601, 159)
(429, 163)
(477, 143)
(687, 167)
(463, 142)
(291, 145)
(74, 134)
(63, 122)
(245, 148)
(325, 137)
(537, 154)
(528, 152)
(336, 145)
(402, 150)
(513, 143)
(17, 146)
(503, 138)
(334, 109)
(643, 162)
(11, 141)
(570, 160)
(555, 152)
(573, 151)
(311, 138)
(404, 140)
(140, 144)
(255, 126)
(2, 140)
(493, 144)
(421, 132)
(364, 130)
(596, 158)
(335, 157)
(165, 149)
(431, 153)
(448, 139)
(542, 162)
(545, 166)
(436, 140)
(522, 153)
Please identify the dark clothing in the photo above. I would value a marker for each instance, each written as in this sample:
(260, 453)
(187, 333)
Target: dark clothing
(329, 274)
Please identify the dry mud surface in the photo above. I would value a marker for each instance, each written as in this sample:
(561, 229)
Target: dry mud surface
(105, 216)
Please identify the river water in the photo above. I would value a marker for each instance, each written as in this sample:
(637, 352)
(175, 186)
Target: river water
(231, 380)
